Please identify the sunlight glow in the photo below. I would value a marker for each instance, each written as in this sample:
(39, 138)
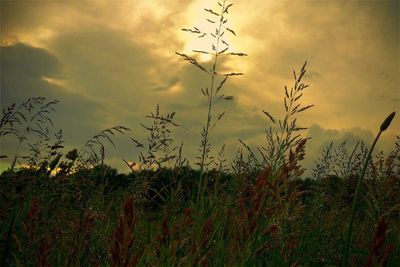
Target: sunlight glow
(53, 81)
(205, 57)
(38, 38)
(198, 19)
(176, 88)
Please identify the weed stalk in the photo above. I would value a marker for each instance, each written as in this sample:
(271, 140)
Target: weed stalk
(213, 92)
(383, 127)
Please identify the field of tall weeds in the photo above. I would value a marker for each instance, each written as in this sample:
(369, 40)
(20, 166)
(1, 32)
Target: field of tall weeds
(68, 208)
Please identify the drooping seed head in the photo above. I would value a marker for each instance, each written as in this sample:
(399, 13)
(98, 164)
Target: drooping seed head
(385, 124)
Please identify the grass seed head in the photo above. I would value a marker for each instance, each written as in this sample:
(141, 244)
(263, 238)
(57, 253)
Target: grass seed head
(387, 121)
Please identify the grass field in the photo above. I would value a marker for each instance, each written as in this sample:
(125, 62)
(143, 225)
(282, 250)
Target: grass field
(97, 217)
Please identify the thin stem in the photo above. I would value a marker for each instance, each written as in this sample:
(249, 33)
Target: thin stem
(351, 156)
(21, 140)
(204, 155)
(353, 208)
(206, 132)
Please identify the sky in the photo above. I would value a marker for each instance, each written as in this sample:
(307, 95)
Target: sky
(111, 62)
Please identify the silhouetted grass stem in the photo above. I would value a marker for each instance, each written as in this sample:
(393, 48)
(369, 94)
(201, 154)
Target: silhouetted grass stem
(383, 127)
(203, 178)
(385, 124)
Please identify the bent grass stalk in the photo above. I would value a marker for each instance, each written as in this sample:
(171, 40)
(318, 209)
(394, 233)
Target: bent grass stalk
(383, 127)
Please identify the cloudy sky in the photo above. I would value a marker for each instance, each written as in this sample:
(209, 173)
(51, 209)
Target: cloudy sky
(111, 62)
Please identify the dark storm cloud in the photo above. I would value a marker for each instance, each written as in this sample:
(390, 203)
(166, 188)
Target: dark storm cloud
(114, 71)
(104, 62)
(23, 68)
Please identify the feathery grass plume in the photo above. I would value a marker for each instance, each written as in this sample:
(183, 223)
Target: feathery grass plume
(323, 165)
(237, 164)
(395, 156)
(218, 48)
(220, 163)
(93, 151)
(180, 160)
(335, 160)
(245, 164)
(382, 188)
(341, 159)
(15, 115)
(157, 153)
(267, 208)
(11, 116)
(159, 141)
(32, 116)
(383, 127)
(288, 196)
(121, 241)
(286, 136)
(35, 151)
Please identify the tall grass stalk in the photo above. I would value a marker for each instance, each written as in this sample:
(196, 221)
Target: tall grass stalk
(383, 127)
(284, 134)
(219, 47)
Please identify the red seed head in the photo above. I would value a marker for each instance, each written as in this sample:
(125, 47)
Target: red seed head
(165, 230)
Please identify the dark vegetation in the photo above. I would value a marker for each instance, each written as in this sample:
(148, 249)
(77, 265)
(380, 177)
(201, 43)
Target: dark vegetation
(71, 209)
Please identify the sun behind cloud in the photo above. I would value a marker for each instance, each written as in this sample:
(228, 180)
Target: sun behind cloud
(207, 23)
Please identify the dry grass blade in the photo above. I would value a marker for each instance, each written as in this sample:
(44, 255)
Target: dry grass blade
(192, 61)
(238, 54)
(211, 11)
(269, 116)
